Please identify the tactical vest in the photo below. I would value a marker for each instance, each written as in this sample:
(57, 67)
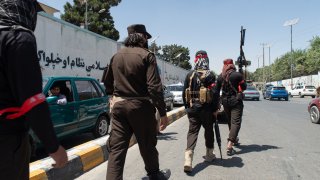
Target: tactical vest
(197, 92)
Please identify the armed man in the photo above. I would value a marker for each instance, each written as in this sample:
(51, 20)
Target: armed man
(201, 103)
(232, 84)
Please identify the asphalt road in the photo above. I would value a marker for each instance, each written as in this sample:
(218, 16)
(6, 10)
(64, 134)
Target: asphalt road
(278, 141)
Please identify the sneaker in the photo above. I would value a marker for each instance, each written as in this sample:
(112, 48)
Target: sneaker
(231, 152)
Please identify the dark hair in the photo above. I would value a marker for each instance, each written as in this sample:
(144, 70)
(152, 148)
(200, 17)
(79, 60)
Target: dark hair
(135, 40)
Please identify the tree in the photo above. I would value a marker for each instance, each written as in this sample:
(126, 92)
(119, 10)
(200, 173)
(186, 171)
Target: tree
(155, 49)
(101, 23)
(313, 56)
(177, 55)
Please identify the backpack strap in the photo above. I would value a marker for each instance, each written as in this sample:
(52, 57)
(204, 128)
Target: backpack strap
(190, 82)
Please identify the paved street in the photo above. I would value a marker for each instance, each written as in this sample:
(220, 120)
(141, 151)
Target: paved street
(278, 141)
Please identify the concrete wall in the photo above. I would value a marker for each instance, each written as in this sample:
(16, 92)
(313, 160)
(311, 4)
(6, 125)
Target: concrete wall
(68, 50)
(303, 80)
(65, 49)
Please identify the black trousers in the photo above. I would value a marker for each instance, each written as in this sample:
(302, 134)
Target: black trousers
(128, 117)
(234, 119)
(196, 119)
(14, 156)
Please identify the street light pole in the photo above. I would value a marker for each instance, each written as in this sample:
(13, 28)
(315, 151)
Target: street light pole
(86, 15)
(291, 23)
(154, 41)
(178, 56)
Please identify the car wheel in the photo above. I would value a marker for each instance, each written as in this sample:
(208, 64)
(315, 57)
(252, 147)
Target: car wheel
(286, 99)
(314, 115)
(102, 127)
(300, 95)
(170, 106)
(313, 96)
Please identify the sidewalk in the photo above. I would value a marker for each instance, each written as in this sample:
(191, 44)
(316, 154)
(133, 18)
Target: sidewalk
(84, 157)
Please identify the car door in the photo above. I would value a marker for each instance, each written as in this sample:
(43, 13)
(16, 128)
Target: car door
(64, 117)
(91, 104)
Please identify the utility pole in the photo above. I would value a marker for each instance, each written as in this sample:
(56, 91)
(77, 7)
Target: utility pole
(263, 76)
(291, 23)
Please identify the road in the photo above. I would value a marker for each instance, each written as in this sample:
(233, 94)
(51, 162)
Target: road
(278, 141)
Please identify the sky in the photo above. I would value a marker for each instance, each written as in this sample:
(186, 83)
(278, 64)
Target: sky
(214, 26)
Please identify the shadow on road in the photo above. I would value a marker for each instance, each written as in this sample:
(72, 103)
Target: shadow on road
(254, 148)
(230, 162)
(167, 136)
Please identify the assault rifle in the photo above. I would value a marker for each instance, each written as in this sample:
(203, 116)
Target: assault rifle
(218, 137)
(241, 61)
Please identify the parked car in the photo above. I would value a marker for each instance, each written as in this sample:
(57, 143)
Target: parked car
(314, 110)
(251, 93)
(176, 90)
(168, 98)
(277, 92)
(86, 110)
(265, 89)
(302, 91)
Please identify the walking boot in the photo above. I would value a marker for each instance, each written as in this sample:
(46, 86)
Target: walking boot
(188, 155)
(160, 175)
(210, 156)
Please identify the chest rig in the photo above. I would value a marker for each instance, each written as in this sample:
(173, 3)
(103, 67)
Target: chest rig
(197, 92)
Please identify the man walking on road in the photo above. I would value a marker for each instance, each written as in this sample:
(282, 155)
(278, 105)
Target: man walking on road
(133, 80)
(22, 104)
(232, 85)
(201, 103)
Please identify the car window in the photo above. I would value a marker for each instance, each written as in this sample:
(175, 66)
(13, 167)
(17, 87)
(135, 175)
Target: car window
(251, 88)
(86, 90)
(65, 89)
(310, 87)
(175, 88)
(279, 88)
(99, 88)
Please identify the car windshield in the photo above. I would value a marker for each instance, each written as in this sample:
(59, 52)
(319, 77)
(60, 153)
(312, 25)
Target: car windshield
(310, 87)
(175, 88)
(279, 88)
(44, 82)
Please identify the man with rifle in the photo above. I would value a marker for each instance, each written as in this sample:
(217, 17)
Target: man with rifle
(233, 84)
(201, 103)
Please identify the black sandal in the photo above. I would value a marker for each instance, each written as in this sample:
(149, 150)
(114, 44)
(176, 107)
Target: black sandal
(231, 151)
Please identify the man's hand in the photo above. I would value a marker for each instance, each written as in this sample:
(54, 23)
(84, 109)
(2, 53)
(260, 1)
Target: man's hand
(164, 121)
(60, 157)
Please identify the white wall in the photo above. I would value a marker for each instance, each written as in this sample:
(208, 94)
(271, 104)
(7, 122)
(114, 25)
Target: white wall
(68, 50)
(303, 80)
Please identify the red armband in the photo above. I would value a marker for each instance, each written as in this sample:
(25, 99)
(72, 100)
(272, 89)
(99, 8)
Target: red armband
(26, 106)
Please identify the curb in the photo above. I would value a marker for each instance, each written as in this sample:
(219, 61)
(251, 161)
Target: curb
(84, 157)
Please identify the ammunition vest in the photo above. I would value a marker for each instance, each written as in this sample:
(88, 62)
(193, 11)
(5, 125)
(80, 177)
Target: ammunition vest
(197, 92)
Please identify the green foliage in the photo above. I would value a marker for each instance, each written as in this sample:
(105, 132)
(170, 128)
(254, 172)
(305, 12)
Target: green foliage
(305, 62)
(170, 53)
(101, 23)
(155, 49)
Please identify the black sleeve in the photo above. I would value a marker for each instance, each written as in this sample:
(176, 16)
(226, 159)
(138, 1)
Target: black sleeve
(25, 81)
(154, 84)
(108, 79)
(216, 93)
